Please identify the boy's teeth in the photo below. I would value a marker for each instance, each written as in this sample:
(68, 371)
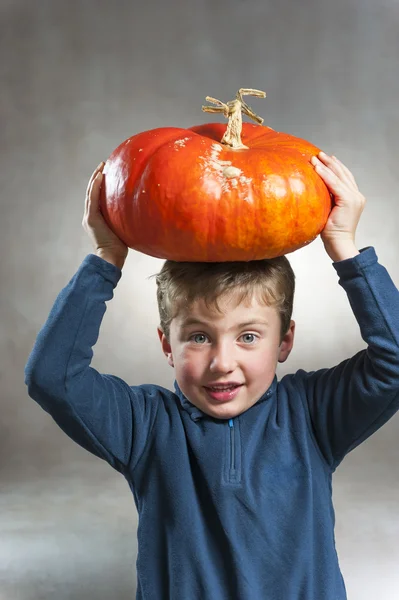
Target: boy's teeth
(221, 389)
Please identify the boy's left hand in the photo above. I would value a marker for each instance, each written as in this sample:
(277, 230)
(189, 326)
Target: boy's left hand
(338, 234)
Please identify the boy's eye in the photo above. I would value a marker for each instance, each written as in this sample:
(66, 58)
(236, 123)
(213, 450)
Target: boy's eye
(198, 335)
(200, 338)
(252, 337)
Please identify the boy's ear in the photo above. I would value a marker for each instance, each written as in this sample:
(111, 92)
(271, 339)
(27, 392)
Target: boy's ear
(166, 347)
(287, 343)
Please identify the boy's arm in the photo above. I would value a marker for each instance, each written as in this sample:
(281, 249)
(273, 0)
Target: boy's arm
(100, 412)
(349, 402)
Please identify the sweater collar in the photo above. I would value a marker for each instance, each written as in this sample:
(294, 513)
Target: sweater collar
(196, 414)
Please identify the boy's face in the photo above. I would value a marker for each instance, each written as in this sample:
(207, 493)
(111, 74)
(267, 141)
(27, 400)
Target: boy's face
(240, 346)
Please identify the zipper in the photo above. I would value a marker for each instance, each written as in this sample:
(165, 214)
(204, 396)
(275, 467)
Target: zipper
(232, 463)
(232, 448)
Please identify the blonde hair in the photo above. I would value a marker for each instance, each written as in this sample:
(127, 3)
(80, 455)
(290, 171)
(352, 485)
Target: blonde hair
(179, 284)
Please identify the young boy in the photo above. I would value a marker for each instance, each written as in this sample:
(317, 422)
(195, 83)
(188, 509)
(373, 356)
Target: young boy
(231, 474)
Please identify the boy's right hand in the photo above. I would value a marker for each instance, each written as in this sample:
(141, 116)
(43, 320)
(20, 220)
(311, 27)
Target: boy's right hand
(107, 245)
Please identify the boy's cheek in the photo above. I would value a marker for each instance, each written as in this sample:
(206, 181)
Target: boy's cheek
(190, 371)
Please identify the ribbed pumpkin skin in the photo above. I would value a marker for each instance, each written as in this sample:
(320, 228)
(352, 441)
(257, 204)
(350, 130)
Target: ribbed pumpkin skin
(181, 194)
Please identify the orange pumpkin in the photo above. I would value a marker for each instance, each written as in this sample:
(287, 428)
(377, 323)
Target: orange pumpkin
(206, 194)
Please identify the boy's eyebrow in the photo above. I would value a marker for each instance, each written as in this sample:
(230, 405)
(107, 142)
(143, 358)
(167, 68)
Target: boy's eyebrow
(194, 321)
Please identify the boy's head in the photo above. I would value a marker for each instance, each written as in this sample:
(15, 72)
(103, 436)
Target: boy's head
(227, 322)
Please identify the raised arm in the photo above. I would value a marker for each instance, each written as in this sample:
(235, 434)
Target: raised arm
(352, 400)
(102, 413)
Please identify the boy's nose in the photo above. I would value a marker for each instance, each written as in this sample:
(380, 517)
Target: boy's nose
(222, 360)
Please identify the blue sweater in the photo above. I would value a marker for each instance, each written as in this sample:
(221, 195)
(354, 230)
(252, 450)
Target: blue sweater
(228, 510)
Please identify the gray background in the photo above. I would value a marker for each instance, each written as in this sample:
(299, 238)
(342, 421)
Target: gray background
(77, 78)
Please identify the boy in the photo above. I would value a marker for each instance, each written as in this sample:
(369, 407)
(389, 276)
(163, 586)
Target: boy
(231, 474)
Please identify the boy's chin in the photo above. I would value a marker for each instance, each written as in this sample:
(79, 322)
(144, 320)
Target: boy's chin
(226, 413)
(225, 410)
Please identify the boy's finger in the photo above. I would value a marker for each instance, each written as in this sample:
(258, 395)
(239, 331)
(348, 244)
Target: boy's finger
(97, 170)
(335, 183)
(347, 171)
(336, 167)
(93, 175)
(95, 190)
(88, 194)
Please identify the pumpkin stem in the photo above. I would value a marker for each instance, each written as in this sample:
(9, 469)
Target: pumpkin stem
(233, 112)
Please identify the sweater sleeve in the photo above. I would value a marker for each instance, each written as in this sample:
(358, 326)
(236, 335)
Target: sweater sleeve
(102, 413)
(348, 403)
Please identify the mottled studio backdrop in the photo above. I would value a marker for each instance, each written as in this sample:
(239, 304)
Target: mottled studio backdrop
(79, 77)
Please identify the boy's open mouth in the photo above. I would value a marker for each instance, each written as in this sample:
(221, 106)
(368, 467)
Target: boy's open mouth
(223, 385)
(223, 393)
